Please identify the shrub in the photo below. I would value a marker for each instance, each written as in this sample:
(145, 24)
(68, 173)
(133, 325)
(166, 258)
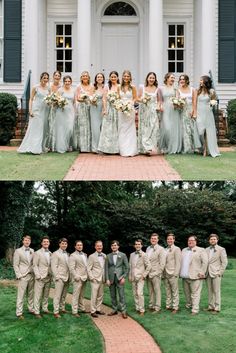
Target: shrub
(6, 270)
(231, 111)
(8, 113)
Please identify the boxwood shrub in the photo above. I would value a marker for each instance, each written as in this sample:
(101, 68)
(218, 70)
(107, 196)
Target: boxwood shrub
(8, 115)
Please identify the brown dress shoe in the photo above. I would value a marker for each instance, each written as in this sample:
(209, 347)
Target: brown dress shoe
(31, 312)
(124, 315)
(141, 313)
(175, 311)
(47, 312)
(20, 317)
(169, 309)
(94, 315)
(76, 315)
(215, 312)
(57, 316)
(208, 309)
(100, 313)
(64, 311)
(38, 316)
(112, 313)
(194, 314)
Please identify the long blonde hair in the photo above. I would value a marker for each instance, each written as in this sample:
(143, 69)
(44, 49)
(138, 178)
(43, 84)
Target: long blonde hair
(122, 81)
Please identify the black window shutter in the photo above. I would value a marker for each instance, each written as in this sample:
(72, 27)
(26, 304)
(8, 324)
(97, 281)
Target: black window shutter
(12, 40)
(227, 41)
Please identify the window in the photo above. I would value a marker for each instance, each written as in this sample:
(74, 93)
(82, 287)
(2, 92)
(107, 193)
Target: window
(1, 39)
(176, 48)
(64, 47)
(120, 8)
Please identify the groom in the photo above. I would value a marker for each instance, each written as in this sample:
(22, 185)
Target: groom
(116, 270)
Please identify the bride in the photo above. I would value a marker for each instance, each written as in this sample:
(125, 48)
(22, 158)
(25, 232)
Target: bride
(126, 119)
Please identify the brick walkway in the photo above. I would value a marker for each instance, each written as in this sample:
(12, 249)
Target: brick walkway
(104, 167)
(121, 335)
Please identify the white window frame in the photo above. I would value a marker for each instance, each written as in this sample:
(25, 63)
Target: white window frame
(2, 40)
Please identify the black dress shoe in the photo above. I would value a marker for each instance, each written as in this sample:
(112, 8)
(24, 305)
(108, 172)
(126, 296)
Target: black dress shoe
(100, 313)
(94, 315)
(112, 313)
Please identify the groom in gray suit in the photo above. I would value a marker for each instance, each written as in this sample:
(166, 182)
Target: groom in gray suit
(116, 271)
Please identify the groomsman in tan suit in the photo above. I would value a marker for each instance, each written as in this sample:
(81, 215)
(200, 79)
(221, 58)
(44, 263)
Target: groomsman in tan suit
(23, 267)
(139, 266)
(157, 258)
(217, 263)
(60, 271)
(171, 274)
(79, 275)
(42, 272)
(193, 271)
(96, 274)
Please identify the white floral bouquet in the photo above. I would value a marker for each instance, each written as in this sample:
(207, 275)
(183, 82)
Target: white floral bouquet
(213, 103)
(55, 100)
(84, 97)
(112, 97)
(126, 107)
(94, 99)
(145, 99)
(178, 102)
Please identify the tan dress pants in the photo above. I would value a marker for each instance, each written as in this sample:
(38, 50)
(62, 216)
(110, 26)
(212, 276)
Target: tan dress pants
(78, 296)
(154, 288)
(59, 300)
(172, 292)
(25, 288)
(41, 292)
(97, 291)
(214, 293)
(137, 287)
(192, 291)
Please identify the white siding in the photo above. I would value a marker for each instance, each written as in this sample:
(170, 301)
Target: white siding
(179, 8)
(62, 8)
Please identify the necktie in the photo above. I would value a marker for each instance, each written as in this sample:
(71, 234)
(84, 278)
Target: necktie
(27, 249)
(80, 252)
(213, 247)
(137, 252)
(114, 253)
(99, 254)
(189, 249)
(46, 250)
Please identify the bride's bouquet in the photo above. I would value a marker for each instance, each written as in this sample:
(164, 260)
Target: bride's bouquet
(126, 107)
(94, 99)
(178, 102)
(55, 100)
(145, 99)
(112, 97)
(85, 98)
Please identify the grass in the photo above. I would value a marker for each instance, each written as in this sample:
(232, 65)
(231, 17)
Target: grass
(68, 335)
(195, 167)
(51, 166)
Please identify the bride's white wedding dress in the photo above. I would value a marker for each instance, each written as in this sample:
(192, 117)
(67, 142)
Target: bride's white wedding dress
(127, 129)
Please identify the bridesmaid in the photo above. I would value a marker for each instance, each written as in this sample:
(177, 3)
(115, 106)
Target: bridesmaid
(64, 120)
(38, 113)
(171, 126)
(126, 123)
(149, 129)
(205, 117)
(82, 128)
(96, 110)
(108, 142)
(55, 85)
(191, 141)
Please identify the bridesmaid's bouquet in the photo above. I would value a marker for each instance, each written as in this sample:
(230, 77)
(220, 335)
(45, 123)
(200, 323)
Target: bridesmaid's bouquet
(112, 97)
(126, 107)
(55, 100)
(62, 102)
(145, 99)
(94, 99)
(213, 103)
(178, 102)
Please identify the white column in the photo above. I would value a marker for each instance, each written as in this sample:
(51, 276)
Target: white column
(156, 37)
(208, 30)
(31, 40)
(84, 35)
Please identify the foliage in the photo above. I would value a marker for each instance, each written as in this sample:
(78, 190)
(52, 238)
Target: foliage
(6, 270)
(231, 112)
(8, 113)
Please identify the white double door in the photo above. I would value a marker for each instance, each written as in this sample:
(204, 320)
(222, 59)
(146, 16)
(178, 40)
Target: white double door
(120, 48)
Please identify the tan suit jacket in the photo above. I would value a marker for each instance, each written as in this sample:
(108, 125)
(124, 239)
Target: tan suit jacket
(95, 270)
(157, 260)
(198, 263)
(23, 266)
(218, 261)
(78, 269)
(59, 266)
(140, 268)
(173, 261)
(41, 267)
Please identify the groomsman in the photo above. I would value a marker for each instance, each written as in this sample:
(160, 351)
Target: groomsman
(23, 267)
(171, 274)
(193, 271)
(60, 271)
(139, 266)
(117, 269)
(42, 272)
(217, 263)
(157, 258)
(79, 275)
(96, 274)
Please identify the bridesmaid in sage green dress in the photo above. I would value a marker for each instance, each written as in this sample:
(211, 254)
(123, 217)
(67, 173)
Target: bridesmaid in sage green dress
(50, 137)
(191, 141)
(171, 124)
(108, 142)
(96, 110)
(82, 126)
(149, 129)
(38, 113)
(64, 119)
(205, 117)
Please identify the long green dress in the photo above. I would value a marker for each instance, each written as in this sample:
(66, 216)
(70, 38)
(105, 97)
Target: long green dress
(96, 121)
(149, 127)
(35, 134)
(171, 124)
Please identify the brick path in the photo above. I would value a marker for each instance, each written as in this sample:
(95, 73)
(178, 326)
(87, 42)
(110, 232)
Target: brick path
(121, 335)
(90, 166)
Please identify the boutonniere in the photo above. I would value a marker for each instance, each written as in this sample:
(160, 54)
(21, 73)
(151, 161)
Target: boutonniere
(31, 252)
(119, 257)
(194, 250)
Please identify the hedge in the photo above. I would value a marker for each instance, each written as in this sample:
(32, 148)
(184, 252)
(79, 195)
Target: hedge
(231, 112)
(8, 115)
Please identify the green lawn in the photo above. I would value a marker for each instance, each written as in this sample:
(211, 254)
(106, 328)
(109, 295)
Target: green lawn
(48, 335)
(196, 167)
(51, 166)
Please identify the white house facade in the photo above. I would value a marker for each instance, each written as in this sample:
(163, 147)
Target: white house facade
(190, 36)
